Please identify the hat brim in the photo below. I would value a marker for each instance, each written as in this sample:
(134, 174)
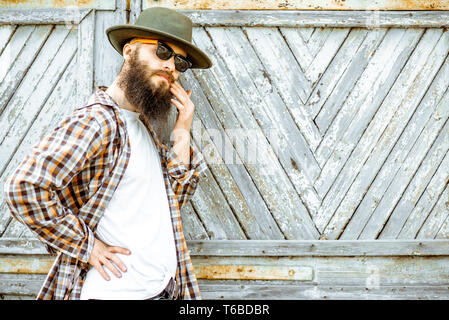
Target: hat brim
(118, 35)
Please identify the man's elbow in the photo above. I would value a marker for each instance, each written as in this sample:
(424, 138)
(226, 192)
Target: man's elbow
(13, 196)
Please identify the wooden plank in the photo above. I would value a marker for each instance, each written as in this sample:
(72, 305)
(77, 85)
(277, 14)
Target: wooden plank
(290, 82)
(235, 182)
(6, 32)
(334, 248)
(407, 170)
(251, 272)
(435, 219)
(21, 246)
(361, 104)
(300, 4)
(299, 45)
(430, 269)
(424, 111)
(381, 136)
(17, 297)
(443, 233)
(326, 54)
(306, 33)
(22, 285)
(269, 112)
(274, 186)
(42, 75)
(344, 276)
(52, 56)
(85, 59)
(11, 71)
(135, 9)
(192, 226)
(371, 271)
(433, 173)
(21, 71)
(238, 291)
(277, 248)
(321, 18)
(342, 75)
(318, 39)
(26, 265)
(38, 16)
(371, 76)
(243, 198)
(12, 228)
(271, 49)
(60, 4)
(107, 62)
(356, 114)
(213, 209)
(57, 106)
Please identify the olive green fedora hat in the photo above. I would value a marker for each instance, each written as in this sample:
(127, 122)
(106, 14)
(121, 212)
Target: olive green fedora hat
(162, 24)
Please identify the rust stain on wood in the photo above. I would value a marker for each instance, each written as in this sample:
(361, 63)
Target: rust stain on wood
(42, 265)
(26, 265)
(249, 272)
(77, 3)
(301, 4)
(47, 3)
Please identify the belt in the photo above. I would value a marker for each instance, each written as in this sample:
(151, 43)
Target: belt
(171, 292)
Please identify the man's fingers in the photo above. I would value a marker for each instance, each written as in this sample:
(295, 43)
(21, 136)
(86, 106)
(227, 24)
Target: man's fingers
(101, 271)
(116, 261)
(111, 267)
(119, 250)
(177, 94)
(177, 104)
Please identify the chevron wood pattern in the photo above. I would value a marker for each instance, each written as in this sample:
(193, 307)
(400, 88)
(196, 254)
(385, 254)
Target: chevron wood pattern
(362, 119)
(309, 133)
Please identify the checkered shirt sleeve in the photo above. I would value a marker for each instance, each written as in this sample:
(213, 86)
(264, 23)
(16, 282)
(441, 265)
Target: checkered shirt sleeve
(30, 192)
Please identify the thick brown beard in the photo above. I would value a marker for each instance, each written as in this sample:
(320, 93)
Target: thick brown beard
(153, 102)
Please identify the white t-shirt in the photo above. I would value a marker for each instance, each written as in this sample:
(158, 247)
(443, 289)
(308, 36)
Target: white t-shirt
(137, 218)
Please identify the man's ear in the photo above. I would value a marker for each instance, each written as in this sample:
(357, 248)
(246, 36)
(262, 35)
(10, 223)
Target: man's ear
(127, 48)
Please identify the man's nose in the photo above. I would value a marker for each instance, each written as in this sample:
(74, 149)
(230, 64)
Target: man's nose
(169, 64)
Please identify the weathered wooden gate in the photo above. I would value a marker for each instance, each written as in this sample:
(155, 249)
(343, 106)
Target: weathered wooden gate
(325, 132)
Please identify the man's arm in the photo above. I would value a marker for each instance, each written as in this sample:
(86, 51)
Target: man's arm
(184, 177)
(51, 165)
(184, 162)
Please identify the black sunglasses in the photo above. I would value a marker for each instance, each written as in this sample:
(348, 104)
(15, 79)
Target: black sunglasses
(164, 52)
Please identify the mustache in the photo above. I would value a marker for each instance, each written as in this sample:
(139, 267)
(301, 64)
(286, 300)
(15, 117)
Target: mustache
(167, 74)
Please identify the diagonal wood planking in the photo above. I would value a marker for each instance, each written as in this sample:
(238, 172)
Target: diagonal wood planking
(294, 153)
(441, 209)
(24, 128)
(360, 144)
(243, 198)
(426, 223)
(225, 97)
(370, 88)
(381, 136)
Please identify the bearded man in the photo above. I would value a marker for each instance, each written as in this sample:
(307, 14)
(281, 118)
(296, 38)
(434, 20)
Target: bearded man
(102, 192)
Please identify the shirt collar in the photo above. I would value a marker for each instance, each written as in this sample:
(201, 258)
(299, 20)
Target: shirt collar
(101, 97)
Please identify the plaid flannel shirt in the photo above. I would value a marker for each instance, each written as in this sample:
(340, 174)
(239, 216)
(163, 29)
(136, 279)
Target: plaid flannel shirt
(60, 191)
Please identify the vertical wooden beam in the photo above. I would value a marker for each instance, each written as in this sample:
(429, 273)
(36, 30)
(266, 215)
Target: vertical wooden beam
(85, 58)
